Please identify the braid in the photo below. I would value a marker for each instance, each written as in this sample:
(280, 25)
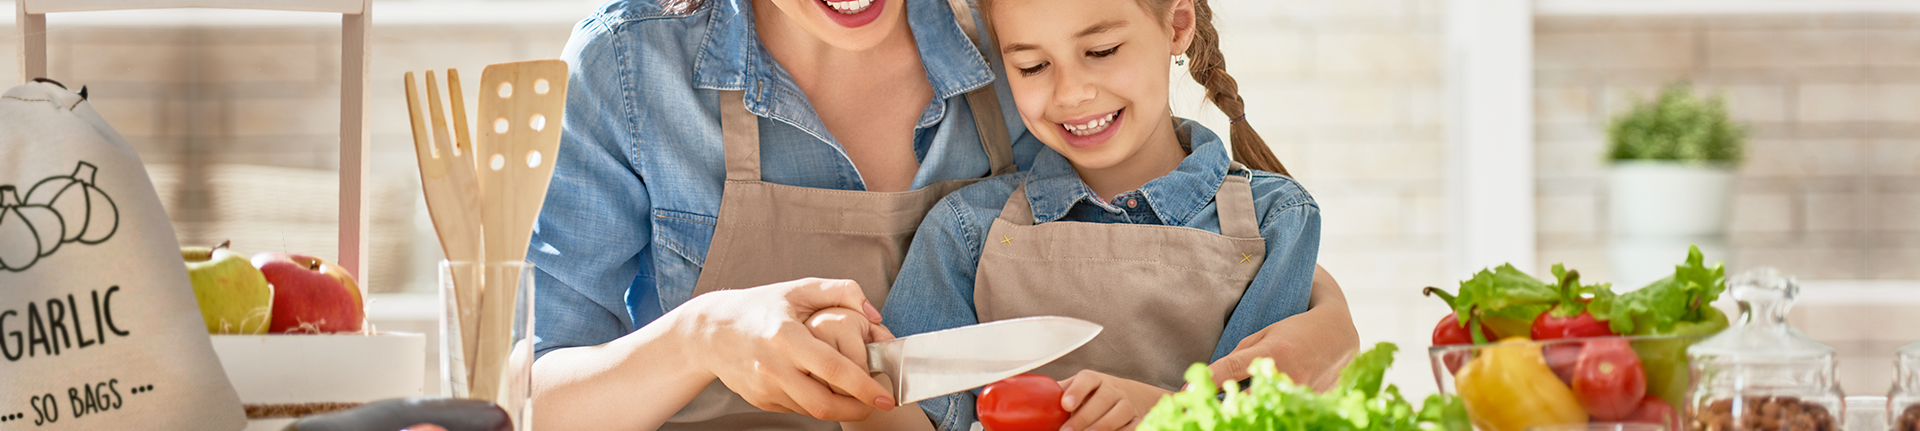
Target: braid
(1209, 68)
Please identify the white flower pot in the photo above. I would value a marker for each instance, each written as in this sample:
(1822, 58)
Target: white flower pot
(1658, 208)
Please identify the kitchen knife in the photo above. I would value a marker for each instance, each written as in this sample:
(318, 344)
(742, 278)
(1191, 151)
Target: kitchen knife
(943, 362)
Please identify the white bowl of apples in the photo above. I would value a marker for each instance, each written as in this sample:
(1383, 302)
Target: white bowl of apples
(291, 332)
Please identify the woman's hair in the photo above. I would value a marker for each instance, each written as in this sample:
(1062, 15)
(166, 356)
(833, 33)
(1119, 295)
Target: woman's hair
(1209, 68)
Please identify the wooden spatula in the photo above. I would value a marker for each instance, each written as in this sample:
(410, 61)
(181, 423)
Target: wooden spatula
(520, 109)
(453, 199)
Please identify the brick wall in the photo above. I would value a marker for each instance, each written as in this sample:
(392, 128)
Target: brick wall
(1831, 185)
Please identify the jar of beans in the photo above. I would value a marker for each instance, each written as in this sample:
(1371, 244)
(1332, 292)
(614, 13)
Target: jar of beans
(1762, 374)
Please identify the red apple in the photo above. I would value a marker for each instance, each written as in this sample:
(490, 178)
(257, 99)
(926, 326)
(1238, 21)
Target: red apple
(310, 294)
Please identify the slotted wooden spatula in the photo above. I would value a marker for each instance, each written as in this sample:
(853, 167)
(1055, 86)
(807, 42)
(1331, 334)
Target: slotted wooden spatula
(520, 110)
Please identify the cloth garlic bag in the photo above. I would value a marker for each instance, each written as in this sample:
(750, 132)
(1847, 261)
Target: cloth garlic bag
(99, 329)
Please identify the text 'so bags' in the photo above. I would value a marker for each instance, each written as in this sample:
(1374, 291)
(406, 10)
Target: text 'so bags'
(99, 329)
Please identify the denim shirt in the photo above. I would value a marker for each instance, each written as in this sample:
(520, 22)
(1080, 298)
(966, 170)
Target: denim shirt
(935, 287)
(636, 183)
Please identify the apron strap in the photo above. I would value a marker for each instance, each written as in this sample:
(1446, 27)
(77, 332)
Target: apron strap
(740, 134)
(1018, 210)
(1235, 204)
(984, 102)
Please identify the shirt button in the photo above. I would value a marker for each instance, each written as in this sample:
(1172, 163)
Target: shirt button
(1131, 203)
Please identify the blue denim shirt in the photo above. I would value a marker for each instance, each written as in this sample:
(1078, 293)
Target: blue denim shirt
(636, 183)
(935, 287)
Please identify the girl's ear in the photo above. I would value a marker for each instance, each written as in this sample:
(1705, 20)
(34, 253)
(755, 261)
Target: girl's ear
(1180, 18)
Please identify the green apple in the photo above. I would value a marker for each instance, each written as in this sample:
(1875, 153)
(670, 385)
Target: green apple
(234, 296)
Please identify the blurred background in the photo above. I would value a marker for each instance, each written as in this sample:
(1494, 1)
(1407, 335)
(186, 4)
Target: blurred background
(1439, 136)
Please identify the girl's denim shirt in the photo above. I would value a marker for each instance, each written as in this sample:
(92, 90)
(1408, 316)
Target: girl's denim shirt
(636, 183)
(934, 290)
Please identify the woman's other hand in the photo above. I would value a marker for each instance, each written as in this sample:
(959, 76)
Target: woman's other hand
(756, 342)
(1310, 347)
(1098, 401)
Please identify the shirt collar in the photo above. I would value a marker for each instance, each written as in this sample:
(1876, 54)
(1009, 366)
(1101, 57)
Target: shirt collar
(1053, 187)
(731, 57)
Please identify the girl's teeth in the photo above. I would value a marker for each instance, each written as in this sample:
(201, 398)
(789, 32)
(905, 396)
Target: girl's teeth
(1092, 127)
(850, 7)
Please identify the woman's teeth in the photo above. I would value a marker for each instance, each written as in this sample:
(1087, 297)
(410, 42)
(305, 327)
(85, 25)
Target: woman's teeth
(850, 7)
(1096, 126)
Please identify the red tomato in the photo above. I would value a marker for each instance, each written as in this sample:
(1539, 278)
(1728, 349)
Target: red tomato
(1548, 326)
(1027, 402)
(1608, 379)
(1449, 332)
(1654, 410)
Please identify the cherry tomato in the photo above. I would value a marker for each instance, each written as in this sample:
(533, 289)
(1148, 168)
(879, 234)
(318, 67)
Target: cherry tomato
(1654, 410)
(1449, 332)
(1608, 379)
(1027, 402)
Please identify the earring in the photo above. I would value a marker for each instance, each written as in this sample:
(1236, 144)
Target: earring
(1180, 60)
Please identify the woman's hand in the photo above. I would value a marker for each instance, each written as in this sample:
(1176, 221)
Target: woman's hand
(754, 340)
(1310, 347)
(1099, 401)
(848, 332)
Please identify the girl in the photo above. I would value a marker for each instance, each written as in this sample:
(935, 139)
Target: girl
(1136, 220)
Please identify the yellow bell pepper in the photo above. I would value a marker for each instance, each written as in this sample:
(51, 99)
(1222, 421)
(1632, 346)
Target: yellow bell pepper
(1508, 387)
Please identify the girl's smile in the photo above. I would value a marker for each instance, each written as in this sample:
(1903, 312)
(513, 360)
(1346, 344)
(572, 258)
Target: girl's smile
(1091, 131)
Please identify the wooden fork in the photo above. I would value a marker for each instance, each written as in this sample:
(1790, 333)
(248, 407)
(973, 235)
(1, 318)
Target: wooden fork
(453, 199)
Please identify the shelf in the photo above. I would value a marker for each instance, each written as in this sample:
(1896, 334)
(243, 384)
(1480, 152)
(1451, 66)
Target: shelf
(1719, 7)
(331, 6)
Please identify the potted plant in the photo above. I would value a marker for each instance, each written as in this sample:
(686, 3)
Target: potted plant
(1671, 180)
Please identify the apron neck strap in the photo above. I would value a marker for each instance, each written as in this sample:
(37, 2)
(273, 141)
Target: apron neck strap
(740, 133)
(1018, 209)
(1235, 204)
(984, 102)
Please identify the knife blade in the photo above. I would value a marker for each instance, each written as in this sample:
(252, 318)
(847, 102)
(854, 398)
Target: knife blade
(943, 362)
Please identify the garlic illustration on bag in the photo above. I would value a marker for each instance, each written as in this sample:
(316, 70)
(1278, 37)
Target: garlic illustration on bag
(90, 216)
(57, 210)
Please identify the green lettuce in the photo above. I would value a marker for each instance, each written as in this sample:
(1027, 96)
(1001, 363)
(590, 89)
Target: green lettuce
(1272, 402)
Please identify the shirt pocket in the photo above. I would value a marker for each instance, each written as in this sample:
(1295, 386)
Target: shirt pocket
(688, 235)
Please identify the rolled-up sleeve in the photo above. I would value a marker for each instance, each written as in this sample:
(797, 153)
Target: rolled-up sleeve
(591, 240)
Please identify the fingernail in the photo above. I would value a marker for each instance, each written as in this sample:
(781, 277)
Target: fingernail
(1067, 402)
(885, 403)
(872, 313)
(1066, 428)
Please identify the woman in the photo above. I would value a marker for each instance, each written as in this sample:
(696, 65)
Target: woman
(713, 146)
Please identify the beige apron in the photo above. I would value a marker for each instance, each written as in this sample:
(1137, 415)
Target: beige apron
(1163, 292)
(769, 233)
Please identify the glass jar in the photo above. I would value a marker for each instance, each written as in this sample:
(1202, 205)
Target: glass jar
(1903, 402)
(1762, 374)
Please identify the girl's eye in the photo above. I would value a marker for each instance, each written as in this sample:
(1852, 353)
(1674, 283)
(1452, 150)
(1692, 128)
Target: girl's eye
(1030, 71)
(1103, 52)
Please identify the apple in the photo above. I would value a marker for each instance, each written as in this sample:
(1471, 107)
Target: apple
(234, 297)
(310, 294)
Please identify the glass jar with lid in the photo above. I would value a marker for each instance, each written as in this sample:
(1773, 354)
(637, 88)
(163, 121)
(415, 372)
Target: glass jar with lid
(1762, 374)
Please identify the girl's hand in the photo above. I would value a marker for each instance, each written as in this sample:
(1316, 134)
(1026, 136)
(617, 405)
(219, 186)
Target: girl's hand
(1103, 402)
(756, 342)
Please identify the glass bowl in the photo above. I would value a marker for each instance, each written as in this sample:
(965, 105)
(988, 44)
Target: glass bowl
(1518, 384)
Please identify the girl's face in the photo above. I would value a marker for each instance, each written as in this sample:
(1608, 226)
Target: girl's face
(852, 25)
(1090, 76)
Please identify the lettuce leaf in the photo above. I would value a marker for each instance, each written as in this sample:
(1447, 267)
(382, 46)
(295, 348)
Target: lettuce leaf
(1273, 402)
(1665, 303)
